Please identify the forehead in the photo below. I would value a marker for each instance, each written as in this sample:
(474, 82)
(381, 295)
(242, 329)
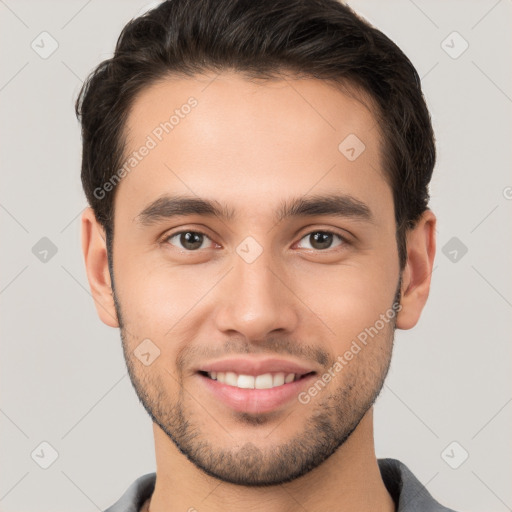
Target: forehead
(244, 141)
(230, 101)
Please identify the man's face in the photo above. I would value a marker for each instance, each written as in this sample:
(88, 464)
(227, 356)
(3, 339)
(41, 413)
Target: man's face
(301, 289)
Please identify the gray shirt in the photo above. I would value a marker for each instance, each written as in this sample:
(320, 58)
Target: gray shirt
(406, 490)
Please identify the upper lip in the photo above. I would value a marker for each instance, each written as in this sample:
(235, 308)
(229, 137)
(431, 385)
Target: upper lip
(252, 366)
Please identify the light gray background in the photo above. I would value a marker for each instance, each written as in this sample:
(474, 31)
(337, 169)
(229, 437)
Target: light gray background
(63, 377)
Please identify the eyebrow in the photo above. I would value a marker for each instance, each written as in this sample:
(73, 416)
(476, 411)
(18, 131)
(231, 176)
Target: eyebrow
(338, 205)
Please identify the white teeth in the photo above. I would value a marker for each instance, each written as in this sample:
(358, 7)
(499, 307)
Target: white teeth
(245, 381)
(289, 378)
(264, 381)
(278, 379)
(230, 378)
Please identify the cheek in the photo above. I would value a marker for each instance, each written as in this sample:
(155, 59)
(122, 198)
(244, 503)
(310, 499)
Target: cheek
(349, 299)
(153, 297)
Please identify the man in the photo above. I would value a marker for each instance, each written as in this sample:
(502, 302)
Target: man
(259, 226)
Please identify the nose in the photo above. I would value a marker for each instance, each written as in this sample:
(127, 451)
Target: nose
(257, 299)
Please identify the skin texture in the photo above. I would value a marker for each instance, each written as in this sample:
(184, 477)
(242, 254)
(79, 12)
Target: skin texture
(251, 145)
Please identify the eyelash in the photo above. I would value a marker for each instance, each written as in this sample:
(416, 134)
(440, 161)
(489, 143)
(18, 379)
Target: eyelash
(343, 239)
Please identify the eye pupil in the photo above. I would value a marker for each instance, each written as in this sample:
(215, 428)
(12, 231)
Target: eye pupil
(191, 240)
(322, 239)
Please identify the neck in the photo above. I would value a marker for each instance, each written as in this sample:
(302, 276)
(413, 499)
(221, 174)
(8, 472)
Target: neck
(348, 480)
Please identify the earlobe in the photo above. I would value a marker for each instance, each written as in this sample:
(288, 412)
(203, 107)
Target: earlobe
(416, 277)
(94, 249)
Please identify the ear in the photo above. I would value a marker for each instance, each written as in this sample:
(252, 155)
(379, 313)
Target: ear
(94, 248)
(421, 249)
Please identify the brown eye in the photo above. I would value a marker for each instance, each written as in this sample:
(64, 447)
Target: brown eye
(188, 240)
(322, 240)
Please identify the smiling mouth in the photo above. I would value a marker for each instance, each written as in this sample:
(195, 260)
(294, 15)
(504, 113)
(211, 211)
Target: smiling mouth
(263, 381)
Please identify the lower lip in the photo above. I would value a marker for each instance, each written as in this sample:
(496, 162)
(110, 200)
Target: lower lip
(255, 400)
